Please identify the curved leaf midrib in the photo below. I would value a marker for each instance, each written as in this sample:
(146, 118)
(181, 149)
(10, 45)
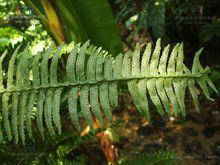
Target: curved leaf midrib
(68, 84)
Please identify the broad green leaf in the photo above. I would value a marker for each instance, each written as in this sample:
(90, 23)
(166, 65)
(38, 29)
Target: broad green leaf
(86, 19)
(81, 20)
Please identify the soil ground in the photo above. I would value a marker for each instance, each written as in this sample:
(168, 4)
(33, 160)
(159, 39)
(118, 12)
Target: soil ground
(196, 139)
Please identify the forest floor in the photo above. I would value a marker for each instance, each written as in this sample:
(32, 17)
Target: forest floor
(196, 140)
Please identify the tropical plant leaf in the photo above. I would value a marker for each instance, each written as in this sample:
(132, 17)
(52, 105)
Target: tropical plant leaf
(92, 77)
(81, 20)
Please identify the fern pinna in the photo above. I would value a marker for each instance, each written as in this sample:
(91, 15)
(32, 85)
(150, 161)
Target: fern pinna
(92, 76)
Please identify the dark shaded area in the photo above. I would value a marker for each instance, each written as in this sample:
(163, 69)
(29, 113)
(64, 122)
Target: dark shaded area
(195, 140)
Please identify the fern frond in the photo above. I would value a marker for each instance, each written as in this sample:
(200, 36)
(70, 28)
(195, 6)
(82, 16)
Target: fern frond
(92, 77)
(159, 157)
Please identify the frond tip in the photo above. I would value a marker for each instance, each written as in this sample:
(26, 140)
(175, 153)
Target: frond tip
(91, 78)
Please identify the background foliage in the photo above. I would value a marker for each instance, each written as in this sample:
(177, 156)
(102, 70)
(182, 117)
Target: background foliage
(116, 25)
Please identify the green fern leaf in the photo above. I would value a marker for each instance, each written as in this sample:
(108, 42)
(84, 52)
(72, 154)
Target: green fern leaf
(142, 90)
(162, 95)
(53, 66)
(117, 66)
(14, 115)
(91, 65)
(36, 70)
(48, 111)
(30, 106)
(80, 63)
(39, 112)
(126, 66)
(1, 75)
(44, 66)
(5, 115)
(157, 158)
(56, 109)
(72, 101)
(136, 62)
(22, 114)
(145, 63)
(151, 87)
(104, 100)
(11, 68)
(155, 59)
(71, 63)
(92, 77)
(133, 89)
(94, 101)
(84, 102)
(99, 69)
(1, 87)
